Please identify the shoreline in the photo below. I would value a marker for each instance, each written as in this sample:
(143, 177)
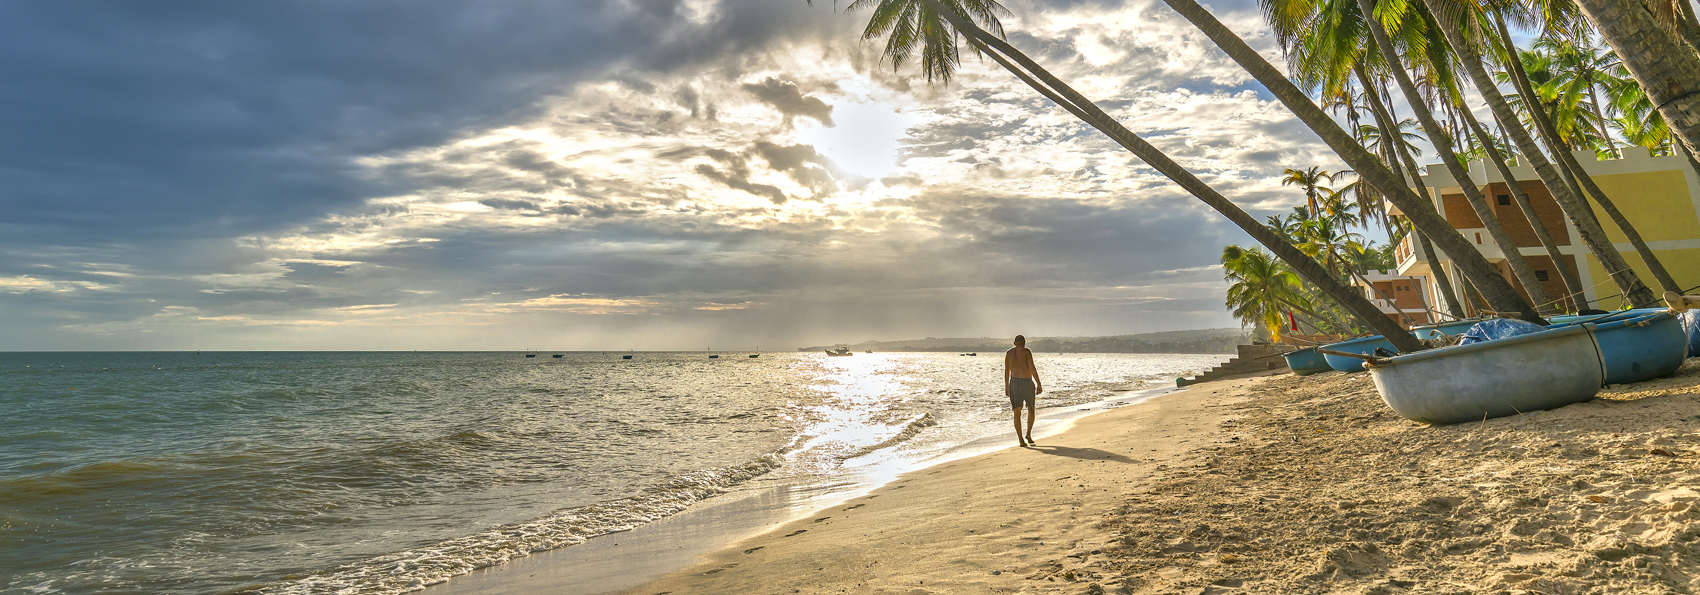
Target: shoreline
(1268, 483)
(618, 562)
(716, 534)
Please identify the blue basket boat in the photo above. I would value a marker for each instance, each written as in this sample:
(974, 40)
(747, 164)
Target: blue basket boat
(1542, 370)
(1364, 345)
(1639, 345)
(1307, 361)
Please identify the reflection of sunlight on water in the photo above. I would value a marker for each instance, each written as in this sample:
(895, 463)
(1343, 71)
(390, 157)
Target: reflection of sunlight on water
(860, 406)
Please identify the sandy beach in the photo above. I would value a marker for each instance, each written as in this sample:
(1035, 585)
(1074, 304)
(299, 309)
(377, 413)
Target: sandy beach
(1274, 484)
(1270, 484)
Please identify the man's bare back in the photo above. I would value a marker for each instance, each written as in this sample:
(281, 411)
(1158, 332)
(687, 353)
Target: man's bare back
(1018, 363)
(1021, 384)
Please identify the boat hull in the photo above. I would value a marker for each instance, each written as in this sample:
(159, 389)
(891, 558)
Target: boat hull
(1307, 361)
(1642, 347)
(1364, 345)
(1544, 370)
(1454, 328)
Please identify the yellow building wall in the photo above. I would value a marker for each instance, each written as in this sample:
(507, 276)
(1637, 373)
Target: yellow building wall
(1684, 266)
(1656, 203)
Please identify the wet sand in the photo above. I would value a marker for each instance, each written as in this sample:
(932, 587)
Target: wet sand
(1019, 518)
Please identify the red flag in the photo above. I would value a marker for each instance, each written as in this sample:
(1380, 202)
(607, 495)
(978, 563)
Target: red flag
(1294, 321)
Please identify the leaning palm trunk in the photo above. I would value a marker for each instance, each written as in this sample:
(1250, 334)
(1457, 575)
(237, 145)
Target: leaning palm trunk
(1071, 100)
(1572, 284)
(1443, 146)
(1385, 119)
(1567, 161)
(1496, 289)
(1599, 116)
(1664, 67)
(1586, 226)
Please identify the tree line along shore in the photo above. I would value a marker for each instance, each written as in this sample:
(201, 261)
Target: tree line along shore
(1193, 341)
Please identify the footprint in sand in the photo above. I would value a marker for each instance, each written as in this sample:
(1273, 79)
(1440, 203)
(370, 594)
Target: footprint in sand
(854, 507)
(797, 532)
(822, 519)
(721, 569)
(753, 550)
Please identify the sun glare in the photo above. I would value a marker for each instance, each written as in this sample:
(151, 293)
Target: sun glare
(866, 138)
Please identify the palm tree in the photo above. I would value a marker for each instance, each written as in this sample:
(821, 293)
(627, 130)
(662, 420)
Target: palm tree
(1581, 68)
(1422, 214)
(1572, 284)
(918, 22)
(1309, 179)
(1263, 289)
(1670, 76)
(1588, 228)
(1372, 138)
(1402, 160)
(1323, 240)
(1443, 146)
(1336, 209)
(1636, 291)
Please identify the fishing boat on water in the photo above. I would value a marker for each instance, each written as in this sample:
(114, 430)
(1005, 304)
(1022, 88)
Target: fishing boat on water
(625, 357)
(840, 351)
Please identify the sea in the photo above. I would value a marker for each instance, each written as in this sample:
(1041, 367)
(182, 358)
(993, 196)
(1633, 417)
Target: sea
(385, 472)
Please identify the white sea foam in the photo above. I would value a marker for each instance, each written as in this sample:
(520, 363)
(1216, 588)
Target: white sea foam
(415, 569)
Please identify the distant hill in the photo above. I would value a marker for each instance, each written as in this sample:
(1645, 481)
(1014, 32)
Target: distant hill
(1213, 340)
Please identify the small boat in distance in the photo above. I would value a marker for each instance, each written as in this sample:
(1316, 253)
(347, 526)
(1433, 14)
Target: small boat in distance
(714, 357)
(839, 351)
(530, 355)
(625, 357)
(969, 354)
(558, 355)
(755, 355)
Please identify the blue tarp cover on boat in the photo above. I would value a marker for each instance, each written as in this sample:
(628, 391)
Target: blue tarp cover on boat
(1499, 328)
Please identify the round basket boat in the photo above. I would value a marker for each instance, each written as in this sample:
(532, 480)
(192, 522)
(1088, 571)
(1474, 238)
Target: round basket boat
(1646, 345)
(1364, 345)
(1307, 361)
(1543, 370)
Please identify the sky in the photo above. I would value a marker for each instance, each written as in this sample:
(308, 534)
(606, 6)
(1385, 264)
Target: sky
(587, 175)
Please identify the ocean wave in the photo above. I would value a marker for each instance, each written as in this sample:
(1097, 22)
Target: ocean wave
(920, 422)
(414, 569)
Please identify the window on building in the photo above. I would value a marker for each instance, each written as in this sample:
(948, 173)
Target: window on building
(1541, 275)
(1504, 199)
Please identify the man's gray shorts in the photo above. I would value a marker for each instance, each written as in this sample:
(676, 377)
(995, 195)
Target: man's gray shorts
(1021, 393)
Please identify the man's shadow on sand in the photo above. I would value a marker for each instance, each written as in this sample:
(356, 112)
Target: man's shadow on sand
(1089, 454)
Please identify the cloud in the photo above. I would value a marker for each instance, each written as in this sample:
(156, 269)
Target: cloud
(466, 175)
(789, 100)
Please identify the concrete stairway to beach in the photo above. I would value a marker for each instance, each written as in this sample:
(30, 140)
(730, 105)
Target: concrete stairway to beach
(1251, 359)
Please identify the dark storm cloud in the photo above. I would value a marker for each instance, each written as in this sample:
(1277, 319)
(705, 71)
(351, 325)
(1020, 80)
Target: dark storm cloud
(139, 120)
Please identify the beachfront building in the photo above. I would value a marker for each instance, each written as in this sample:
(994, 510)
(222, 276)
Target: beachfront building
(1401, 297)
(1660, 196)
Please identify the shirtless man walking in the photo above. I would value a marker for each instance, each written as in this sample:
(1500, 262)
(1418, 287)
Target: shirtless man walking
(1021, 384)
